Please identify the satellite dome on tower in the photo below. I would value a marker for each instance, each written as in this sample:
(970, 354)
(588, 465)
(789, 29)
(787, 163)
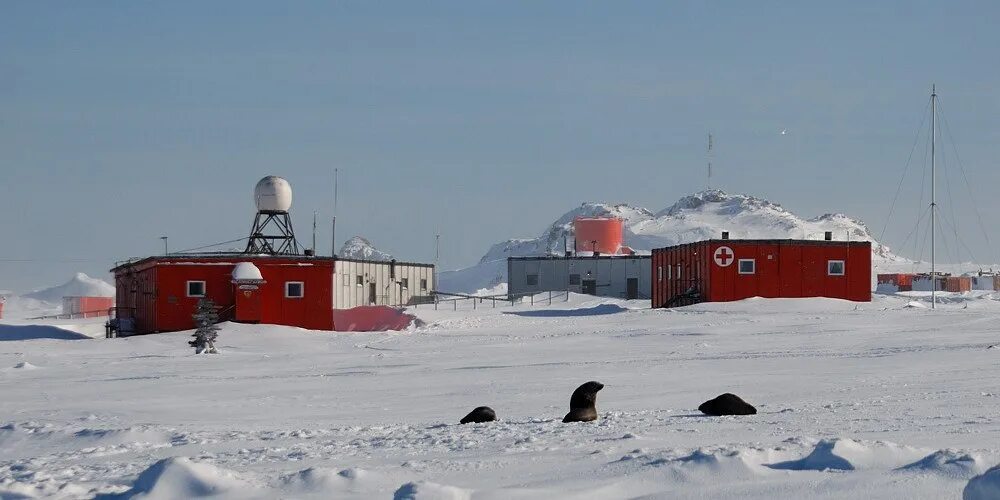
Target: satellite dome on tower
(272, 232)
(273, 194)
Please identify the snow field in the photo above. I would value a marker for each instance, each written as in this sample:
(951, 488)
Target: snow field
(873, 400)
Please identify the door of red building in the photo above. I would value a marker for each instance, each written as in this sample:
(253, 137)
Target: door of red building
(248, 306)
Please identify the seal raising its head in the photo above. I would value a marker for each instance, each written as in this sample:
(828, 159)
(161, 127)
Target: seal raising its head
(480, 415)
(727, 404)
(581, 404)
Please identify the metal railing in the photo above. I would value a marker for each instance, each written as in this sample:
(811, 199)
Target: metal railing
(503, 300)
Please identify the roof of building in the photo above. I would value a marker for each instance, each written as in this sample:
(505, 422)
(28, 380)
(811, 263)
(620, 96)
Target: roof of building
(775, 241)
(234, 258)
(580, 257)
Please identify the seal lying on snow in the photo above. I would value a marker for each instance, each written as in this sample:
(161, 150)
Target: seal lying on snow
(582, 403)
(480, 415)
(727, 404)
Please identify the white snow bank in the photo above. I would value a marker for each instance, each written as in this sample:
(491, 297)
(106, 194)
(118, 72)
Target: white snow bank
(950, 463)
(426, 490)
(984, 487)
(80, 285)
(179, 477)
(35, 332)
(848, 454)
(334, 483)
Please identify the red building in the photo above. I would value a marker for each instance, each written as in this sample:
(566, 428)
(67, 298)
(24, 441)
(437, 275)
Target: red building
(726, 270)
(903, 282)
(159, 294)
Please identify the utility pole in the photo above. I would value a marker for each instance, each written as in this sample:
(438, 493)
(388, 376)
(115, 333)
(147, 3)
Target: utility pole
(933, 194)
(165, 249)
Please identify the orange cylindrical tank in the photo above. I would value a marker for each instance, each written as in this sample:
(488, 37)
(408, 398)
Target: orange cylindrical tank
(598, 234)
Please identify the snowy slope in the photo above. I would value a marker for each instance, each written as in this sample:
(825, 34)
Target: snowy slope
(877, 401)
(360, 248)
(80, 285)
(696, 217)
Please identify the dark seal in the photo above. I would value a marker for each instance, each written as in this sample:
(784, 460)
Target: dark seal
(582, 403)
(727, 404)
(480, 415)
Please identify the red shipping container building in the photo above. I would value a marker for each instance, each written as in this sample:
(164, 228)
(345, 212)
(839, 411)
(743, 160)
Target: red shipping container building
(160, 294)
(902, 281)
(726, 270)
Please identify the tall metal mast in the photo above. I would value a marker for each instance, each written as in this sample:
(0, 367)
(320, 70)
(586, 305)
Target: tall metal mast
(708, 154)
(934, 280)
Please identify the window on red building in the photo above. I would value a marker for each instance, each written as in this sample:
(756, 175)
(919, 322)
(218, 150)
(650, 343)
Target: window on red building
(195, 288)
(748, 266)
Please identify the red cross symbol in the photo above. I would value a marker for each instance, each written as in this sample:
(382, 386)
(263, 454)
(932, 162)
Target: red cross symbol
(724, 256)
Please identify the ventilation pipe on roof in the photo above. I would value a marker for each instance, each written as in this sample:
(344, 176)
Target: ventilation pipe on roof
(725, 235)
(828, 236)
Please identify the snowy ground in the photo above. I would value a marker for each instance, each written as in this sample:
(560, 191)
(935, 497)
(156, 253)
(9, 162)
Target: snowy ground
(879, 400)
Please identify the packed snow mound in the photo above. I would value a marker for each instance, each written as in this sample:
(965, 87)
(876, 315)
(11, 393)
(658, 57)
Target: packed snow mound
(362, 249)
(984, 487)
(949, 463)
(848, 454)
(696, 217)
(35, 332)
(330, 481)
(426, 490)
(179, 477)
(80, 285)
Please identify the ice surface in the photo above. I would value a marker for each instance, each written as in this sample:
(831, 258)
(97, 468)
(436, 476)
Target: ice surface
(860, 401)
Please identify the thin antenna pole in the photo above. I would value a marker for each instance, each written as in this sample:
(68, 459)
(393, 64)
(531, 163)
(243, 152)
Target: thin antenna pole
(933, 194)
(708, 154)
(333, 230)
(314, 233)
(166, 251)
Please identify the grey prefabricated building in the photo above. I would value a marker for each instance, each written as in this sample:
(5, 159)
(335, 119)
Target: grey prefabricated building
(389, 283)
(621, 276)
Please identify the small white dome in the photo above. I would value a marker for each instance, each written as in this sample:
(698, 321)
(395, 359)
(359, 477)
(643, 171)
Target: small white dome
(273, 194)
(246, 271)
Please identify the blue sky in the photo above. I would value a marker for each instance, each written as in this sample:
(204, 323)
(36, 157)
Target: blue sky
(124, 121)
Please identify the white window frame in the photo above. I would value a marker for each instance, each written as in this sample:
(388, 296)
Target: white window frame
(423, 284)
(405, 283)
(678, 272)
(187, 288)
(357, 278)
(739, 266)
(659, 271)
(843, 268)
(302, 287)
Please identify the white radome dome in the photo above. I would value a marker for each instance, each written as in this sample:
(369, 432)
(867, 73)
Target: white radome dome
(273, 194)
(246, 271)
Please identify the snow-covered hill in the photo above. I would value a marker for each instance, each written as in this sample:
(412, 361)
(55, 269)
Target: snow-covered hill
(360, 248)
(696, 217)
(80, 285)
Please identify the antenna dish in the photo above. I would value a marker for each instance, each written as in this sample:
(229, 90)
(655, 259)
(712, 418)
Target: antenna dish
(273, 194)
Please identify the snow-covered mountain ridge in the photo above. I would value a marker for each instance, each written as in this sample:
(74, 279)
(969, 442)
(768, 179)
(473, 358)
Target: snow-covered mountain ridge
(362, 249)
(695, 217)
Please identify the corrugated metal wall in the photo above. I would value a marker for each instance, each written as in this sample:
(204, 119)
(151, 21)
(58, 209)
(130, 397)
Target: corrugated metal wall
(362, 283)
(610, 275)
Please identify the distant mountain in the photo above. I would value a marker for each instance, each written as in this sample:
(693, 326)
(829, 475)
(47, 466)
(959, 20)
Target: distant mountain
(362, 249)
(80, 285)
(695, 217)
